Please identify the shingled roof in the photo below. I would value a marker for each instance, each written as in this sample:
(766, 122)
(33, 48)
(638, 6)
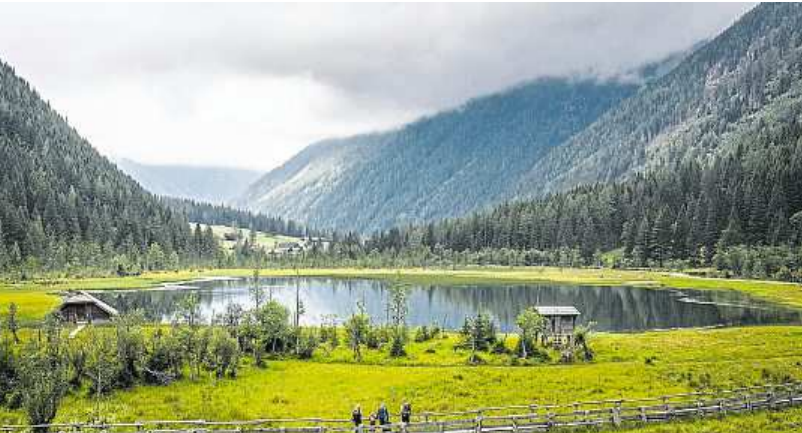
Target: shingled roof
(81, 297)
(558, 311)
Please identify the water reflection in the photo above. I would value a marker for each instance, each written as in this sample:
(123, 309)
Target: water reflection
(615, 309)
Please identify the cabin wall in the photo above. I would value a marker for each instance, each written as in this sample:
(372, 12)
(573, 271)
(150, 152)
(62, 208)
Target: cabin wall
(84, 313)
(561, 325)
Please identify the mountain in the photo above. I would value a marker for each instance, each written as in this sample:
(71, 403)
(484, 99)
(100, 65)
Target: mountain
(445, 165)
(441, 166)
(695, 112)
(63, 205)
(702, 167)
(211, 184)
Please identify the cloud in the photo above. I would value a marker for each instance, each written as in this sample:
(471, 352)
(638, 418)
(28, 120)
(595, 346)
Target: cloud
(251, 84)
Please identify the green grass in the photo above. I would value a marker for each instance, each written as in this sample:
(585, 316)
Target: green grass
(627, 366)
(266, 240)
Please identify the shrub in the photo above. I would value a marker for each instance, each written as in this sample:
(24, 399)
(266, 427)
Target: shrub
(397, 343)
(307, 343)
(223, 356)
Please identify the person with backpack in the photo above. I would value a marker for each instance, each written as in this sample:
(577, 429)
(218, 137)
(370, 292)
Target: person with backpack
(384, 416)
(356, 418)
(406, 412)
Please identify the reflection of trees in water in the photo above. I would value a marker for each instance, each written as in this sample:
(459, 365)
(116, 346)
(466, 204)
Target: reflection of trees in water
(612, 308)
(617, 308)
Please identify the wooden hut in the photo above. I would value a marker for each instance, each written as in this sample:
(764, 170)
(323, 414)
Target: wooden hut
(560, 321)
(81, 307)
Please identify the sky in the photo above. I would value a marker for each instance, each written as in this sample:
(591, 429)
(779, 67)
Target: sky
(250, 85)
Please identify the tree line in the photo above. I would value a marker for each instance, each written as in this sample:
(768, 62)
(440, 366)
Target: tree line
(66, 209)
(215, 214)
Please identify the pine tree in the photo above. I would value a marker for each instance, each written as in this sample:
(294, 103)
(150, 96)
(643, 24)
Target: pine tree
(732, 235)
(3, 253)
(209, 243)
(198, 243)
(642, 252)
(660, 237)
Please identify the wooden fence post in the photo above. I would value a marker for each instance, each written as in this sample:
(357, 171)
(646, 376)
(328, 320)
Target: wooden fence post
(616, 414)
(479, 422)
(549, 420)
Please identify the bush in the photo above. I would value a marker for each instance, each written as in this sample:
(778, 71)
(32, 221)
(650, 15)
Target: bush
(307, 343)
(223, 356)
(478, 333)
(500, 347)
(426, 333)
(533, 351)
(398, 342)
(164, 360)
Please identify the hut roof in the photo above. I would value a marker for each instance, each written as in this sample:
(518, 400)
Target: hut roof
(558, 311)
(81, 297)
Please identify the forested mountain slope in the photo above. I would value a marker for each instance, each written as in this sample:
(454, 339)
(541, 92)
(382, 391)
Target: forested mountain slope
(741, 212)
(211, 184)
(687, 114)
(441, 166)
(62, 204)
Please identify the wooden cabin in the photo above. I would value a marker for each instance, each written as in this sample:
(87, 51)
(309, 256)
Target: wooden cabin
(81, 307)
(560, 321)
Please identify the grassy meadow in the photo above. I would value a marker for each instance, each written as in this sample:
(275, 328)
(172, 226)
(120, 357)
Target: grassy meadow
(268, 241)
(435, 377)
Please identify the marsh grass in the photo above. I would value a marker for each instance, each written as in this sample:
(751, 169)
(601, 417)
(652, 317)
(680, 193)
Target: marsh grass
(627, 366)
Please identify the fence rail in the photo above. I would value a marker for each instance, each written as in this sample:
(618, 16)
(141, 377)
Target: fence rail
(501, 419)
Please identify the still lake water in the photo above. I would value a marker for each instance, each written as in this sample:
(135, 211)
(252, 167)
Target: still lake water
(616, 309)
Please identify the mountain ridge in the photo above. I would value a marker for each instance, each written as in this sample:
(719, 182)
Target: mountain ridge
(436, 160)
(692, 105)
(214, 184)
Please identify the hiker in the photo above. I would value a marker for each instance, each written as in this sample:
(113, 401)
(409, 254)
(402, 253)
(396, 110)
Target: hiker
(406, 412)
(373, 422)
(384, 416)
(356, 417)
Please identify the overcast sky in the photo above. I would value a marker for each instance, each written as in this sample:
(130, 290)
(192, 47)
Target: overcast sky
(249, 85)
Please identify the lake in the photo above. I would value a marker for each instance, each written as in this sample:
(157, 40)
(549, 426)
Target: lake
(615, 309)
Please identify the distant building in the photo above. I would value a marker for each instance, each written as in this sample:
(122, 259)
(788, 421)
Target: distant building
(318, 243)
(289, 248)
(560, 321)
(81, 307)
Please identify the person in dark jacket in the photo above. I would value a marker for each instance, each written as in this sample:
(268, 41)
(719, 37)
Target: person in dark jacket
(406, 412)
(356, 417)
(384, 416)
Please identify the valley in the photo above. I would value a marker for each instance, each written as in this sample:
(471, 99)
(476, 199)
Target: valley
(591, 234)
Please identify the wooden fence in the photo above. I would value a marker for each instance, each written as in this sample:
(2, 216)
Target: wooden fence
(504, 419)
